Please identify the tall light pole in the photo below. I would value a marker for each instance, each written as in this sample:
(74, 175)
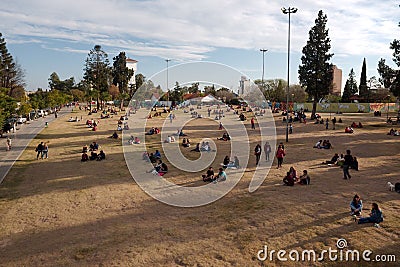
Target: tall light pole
(167, 60)
(387, 113)
(289, 11)
(262, 77)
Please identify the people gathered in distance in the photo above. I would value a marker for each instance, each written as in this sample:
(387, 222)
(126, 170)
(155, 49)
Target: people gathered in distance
(326, 144)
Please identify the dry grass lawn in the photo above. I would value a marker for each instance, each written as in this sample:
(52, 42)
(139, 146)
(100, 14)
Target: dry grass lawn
(61, 212)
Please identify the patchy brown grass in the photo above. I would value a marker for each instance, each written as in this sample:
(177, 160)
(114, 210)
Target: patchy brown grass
(63, 212)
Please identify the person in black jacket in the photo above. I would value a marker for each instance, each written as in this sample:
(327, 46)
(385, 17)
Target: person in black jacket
(348, 161)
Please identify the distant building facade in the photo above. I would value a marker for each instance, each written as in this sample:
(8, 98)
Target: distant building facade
(244, 85)
(132, 65)
(336, 81)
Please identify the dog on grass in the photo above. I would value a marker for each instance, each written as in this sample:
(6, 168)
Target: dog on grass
(391, 186)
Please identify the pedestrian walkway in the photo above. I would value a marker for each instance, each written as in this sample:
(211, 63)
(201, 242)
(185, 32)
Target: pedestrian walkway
(20, 140)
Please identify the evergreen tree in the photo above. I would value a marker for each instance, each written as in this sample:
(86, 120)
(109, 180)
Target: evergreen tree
(97, 71)
(11, 73)
(350, 87)
(121, 73)
(315, 72)
(363, 89)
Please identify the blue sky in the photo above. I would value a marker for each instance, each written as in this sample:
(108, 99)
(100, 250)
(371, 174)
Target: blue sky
(47, 36)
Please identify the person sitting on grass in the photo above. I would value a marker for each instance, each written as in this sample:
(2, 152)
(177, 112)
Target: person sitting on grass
(85, 157)
(304, 179)
(114, 135)
(94, 146)
(209, 176)
(163, 169)
(181, 133)
(93, 155)
(186, 142)
(197, 148)
(220, 177)
(333, 159)
(225, 137)
(375, 216)
(234, 164)
(157, 154)
(327, 145)
(101, 155)
(318, 144)
(85, 149)
(205, 146)
(151, 131)
(354, 164)
(119, 128)
(348, 130)
(226, 162)
(356, 205)
(146, 156)
(290, 177)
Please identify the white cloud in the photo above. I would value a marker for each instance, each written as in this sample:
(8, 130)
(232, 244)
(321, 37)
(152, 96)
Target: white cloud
(191, 29)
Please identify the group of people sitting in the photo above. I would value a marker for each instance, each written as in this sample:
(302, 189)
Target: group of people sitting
(153, 130)
(225, 137)
(323, 144)
(93, 156)
(227, 163)
(204, 146)
(211, 177)
(159, 168)
(152, 157)
(92, 124)
(186, 142)
(340, 160)
(133, 140)
(291, 178)
(73, 120)
(169, 139)
(355, 125)
(126, 127)
(356, 207)
(348, 129)
(242, 117)
(393, 132)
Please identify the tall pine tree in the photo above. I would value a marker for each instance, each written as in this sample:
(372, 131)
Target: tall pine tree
(315, 72)
(11, 73)
(97, 72)
(363, 89)
(350, 87)
(121, 73)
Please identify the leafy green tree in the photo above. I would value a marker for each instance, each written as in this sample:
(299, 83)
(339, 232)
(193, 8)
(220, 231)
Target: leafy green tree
(315, 72)
(121, 73)
(275, 89)
(209, 90)
(363, 88)
(8, 105)
(63, 86)
(139, 81)
(194, 88)
(97, 71)
(350, 87)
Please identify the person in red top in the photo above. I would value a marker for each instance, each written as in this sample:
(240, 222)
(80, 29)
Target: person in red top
(253, 126)
(280, 153)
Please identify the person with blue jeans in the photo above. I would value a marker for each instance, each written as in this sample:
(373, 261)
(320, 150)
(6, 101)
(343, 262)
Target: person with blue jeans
(348, 160)
(376, 216)
(356, 205)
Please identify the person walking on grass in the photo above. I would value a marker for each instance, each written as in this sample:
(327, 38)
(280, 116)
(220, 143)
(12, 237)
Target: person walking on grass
(45, 151)
(39, 150)
(267, 150)
(280, 153)
(257, 152)
(253, 125)
(348, 161)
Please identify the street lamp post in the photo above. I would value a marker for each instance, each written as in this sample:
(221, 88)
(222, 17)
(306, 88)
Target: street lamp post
(288, 11)
(167, 60)
(387, 111)
(262, 77)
